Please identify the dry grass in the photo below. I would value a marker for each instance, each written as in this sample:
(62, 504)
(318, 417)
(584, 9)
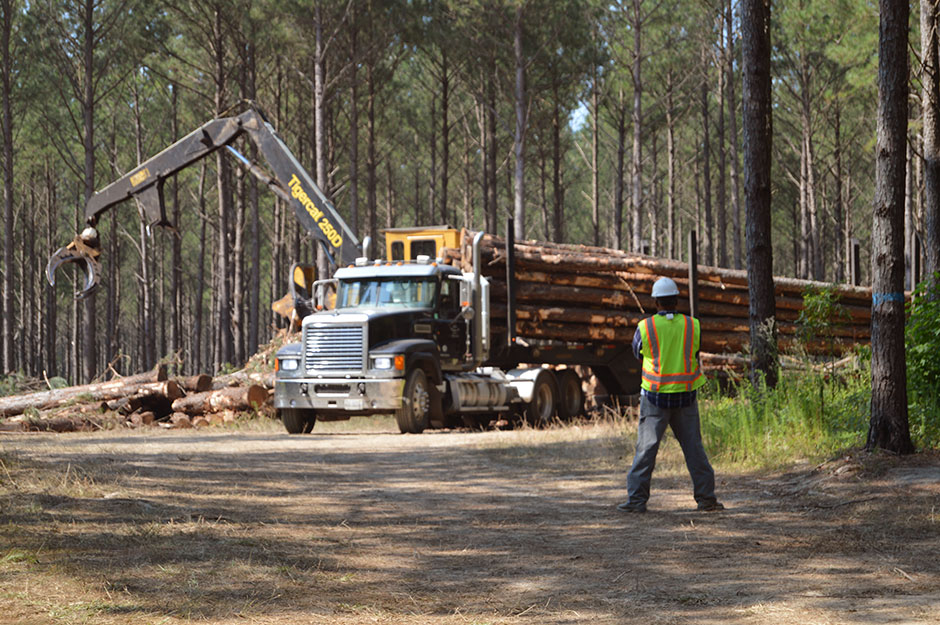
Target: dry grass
(356, 525)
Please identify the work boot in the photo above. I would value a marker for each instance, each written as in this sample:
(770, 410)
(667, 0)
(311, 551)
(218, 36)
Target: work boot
(710, 506)
(632, 507)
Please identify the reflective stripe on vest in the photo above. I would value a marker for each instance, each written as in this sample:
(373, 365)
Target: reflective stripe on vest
(671, 372)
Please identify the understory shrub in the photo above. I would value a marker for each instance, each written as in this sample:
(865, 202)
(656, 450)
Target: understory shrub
(922, 349)
(812, 413)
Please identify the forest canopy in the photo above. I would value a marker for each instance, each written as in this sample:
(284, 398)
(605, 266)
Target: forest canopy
(407, 112)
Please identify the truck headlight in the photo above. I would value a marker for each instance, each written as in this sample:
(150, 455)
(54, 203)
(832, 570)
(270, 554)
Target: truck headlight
(288, 364)
(382, 362)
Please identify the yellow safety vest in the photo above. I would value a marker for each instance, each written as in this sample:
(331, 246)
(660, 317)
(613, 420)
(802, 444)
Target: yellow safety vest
(669, 350)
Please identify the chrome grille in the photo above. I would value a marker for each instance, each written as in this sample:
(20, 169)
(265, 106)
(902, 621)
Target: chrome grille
(334, 348)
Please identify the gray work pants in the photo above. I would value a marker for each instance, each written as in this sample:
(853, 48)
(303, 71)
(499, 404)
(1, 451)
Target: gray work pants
(685, 425)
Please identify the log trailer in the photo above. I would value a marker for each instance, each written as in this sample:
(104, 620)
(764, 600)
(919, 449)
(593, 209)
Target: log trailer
(411, 336)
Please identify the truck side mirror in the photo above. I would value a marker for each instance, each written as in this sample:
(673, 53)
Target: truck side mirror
(466, 312)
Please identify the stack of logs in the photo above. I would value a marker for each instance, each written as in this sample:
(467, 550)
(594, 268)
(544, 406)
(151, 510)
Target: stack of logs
(146, 399)
(580, 293)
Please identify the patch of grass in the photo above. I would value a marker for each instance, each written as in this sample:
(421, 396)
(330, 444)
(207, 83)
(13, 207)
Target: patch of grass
(18, 556)
(810, 415)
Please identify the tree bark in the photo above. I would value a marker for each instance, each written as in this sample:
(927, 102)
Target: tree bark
(319, 120)
(930, 105)
(234, 398)
(225, 338)
(519, 138)
(89, 359)
(758, 142)
(670, 168)
(176, 275)
(445, 136)
(595, 157)
(889, 427)
(708, 228)
(104, 391)
(636, 169)
(721, 208)
(733, 140)
(620, 115)
(7, 9)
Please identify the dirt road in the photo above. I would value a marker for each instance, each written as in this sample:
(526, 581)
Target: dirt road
(451, 528)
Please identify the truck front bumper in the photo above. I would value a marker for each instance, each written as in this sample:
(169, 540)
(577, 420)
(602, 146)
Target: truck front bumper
(363, 396)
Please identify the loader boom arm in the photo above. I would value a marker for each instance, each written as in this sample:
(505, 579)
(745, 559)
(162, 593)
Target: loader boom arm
(290, 180)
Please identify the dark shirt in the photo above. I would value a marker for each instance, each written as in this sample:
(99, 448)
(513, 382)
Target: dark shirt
(682, 399)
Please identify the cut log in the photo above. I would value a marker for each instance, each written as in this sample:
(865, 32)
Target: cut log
(181, 421)
(243, 378)
(585, 259)
(232, 398)
(195, 383)
(105, 391)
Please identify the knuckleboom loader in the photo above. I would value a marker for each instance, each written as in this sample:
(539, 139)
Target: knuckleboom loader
(411, 336)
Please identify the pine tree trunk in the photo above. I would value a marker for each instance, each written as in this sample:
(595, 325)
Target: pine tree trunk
(238, 262)
(670, 168)
(595, 160)
(519, 137)
(758, 138)
(6, 71)
(838, 207)
(619, 173)
(176, 273)
(930, 105)
(198, 358)
(254, 280)
(225, 340)
(432, 173)
(445, 137)
(636, 165)
(889, 428)
(319, 120)
(733, 140)
(491, 151)
(721, 190)
(371, 161)
(89, 356)
(558, 190)
(354, 126)
(708, 227)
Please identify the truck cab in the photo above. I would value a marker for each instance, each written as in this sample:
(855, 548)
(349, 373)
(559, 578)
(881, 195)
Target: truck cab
(396, 330)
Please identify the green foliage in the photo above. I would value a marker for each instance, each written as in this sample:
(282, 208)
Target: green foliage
(770, 427)
(9, 384)
(922, 346)
(820, 315)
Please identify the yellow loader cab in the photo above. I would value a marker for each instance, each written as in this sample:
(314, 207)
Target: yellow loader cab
(409, 243)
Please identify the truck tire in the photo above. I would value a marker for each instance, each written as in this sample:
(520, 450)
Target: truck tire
(544, 404)
(414, 415)
(570, 395)
(298, 420)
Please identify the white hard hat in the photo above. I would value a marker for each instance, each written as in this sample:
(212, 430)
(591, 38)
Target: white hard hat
(665, 287)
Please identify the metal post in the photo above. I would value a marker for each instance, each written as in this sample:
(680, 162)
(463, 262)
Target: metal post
(510, 282)
(855, 263)
(693, 274)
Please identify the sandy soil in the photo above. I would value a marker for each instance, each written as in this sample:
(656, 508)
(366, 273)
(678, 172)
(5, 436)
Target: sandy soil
(449, 527)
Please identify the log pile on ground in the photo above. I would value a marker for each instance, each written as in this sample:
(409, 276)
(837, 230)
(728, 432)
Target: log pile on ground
(587, 294)
(134, 401)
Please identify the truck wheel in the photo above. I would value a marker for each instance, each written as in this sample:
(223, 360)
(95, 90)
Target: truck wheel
(544, 404)
(414, 415)
(570, 395)
(298, 420)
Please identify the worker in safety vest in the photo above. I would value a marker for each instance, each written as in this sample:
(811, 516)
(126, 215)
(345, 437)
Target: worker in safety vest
(668, 343)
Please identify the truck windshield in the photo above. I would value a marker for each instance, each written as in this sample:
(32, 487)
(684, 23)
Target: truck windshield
(394, 293)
